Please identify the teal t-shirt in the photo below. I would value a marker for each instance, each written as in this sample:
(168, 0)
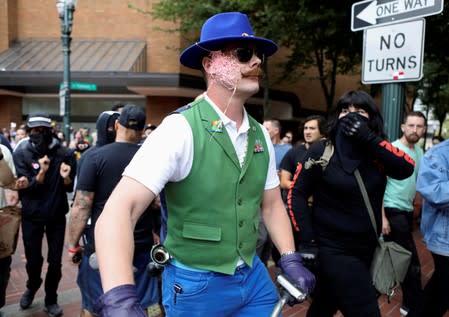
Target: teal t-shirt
(401, 193)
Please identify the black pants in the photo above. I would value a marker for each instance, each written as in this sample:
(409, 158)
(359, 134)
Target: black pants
(5, 270)
(33, 233)
(401, 224)
(344, 283)
(436, 293)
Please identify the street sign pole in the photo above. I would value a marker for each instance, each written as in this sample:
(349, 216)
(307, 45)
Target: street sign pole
(393, 100)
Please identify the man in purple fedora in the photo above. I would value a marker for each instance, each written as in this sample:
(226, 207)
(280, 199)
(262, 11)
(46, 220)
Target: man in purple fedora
(216, 165)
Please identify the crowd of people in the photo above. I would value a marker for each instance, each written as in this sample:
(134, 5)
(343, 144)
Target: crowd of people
(224, 194)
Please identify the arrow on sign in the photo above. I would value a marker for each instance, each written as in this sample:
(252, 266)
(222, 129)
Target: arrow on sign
(370, 13)
(376, 11)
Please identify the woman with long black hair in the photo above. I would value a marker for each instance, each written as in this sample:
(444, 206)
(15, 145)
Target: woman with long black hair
(340, 219)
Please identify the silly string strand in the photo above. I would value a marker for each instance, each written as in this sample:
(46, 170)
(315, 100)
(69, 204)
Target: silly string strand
(225, 70)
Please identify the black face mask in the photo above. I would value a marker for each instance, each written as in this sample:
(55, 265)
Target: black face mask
(41, 141)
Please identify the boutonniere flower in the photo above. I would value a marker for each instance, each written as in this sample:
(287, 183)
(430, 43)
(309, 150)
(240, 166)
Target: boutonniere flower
(216, 126)
(258, 147)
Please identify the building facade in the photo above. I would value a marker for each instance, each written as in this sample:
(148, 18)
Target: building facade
(120, 51)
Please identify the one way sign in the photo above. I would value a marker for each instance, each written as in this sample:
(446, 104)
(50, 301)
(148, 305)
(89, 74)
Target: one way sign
(371, 13)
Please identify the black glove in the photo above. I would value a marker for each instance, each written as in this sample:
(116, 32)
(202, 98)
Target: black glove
(356, 127)
(291, 265)
(120, 301)
(309, 255)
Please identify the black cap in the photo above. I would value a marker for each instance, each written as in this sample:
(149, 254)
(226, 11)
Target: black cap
(132, 117)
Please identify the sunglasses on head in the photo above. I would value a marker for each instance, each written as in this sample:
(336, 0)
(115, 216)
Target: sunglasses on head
(244, 54)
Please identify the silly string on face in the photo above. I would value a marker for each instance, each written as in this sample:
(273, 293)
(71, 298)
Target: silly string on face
(225, 69)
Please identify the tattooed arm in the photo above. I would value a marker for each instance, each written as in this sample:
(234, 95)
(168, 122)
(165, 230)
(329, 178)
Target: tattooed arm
(79, 215)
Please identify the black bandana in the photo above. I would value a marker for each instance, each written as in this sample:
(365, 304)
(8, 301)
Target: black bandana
(349, 152)
(41, 141)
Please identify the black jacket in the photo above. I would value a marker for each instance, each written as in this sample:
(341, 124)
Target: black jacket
(42, 202)
(339, 216)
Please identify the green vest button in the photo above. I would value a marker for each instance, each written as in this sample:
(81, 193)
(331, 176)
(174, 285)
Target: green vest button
(241, 222)
(239, 201)
(240, 245)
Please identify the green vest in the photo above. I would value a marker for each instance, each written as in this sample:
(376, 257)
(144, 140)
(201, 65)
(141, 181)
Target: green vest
(213, 214)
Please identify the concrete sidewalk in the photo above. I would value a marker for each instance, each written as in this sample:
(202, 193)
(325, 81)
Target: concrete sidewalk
(69, 300)
(69, 296)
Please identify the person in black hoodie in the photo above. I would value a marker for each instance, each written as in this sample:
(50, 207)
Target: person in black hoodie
(105, 134)
(344, 233)
(45, 171)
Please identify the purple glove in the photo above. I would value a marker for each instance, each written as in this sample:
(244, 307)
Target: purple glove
(291, 266)
(121, 301)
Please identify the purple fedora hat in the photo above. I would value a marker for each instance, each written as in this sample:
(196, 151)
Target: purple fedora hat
(219, 30)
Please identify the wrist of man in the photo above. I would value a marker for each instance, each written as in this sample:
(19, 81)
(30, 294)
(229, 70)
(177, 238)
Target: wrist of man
(287, 253)
(74, 249)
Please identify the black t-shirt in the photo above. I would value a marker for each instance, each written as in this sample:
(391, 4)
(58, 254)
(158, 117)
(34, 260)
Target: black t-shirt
(289, 163)
(292, 158)
(100, 174)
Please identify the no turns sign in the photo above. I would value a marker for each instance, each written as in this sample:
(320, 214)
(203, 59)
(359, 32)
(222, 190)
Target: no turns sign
(393, 53)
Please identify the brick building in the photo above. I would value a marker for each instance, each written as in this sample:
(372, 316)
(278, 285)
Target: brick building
(119, 50)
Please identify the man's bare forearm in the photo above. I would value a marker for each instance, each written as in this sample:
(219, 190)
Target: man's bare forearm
(81, 211)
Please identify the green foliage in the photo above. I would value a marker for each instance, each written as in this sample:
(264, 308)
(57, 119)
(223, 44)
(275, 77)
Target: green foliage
(317, 34)
(434, 90)
(434, 87)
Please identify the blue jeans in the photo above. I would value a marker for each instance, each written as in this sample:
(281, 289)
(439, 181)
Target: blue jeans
(89, 283)
(249, 292)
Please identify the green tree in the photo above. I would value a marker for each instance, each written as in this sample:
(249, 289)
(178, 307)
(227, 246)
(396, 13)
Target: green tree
(317, 33)
(434, 91)
(434, 87)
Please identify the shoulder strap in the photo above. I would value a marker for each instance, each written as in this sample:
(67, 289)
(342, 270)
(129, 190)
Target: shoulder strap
(327, 154)
(366, 199)
(323, 160)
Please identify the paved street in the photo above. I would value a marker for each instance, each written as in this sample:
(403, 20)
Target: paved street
(69, 296)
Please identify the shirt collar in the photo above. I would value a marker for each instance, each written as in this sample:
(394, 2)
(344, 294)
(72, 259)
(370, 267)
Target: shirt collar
(226, 120)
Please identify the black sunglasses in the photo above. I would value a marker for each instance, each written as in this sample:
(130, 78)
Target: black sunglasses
(244, 54)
